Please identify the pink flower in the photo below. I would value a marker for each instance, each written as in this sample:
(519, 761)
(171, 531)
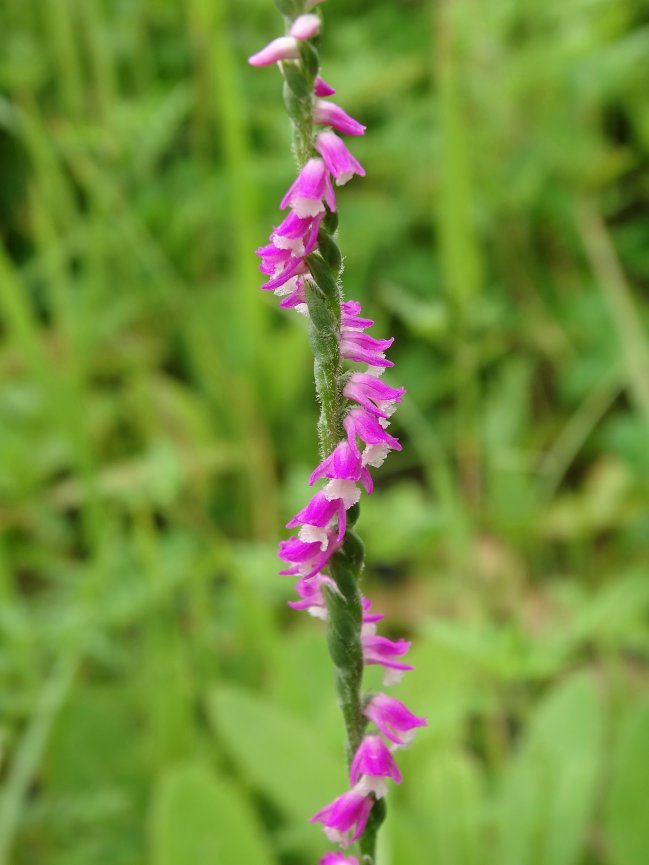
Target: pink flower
(321, 88)
(338, 859)
(362, 348)
(369, 618)
(372, 764)
(292, 294)
(311, 597)
(272, 258)
(330, 114)
(306, 194)
(344, 817)
(344, 469)
(316, 516)
(337, 158)
(393, 719)
(282, 48)
(380, 650)
(342, 463)
(291, 232)
(305, 27)
(364, 425)
(370, 392)
(293, 267)
(307, 558)
(350, 316)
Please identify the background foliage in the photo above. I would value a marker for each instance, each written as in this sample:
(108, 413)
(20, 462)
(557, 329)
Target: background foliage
(159, 704)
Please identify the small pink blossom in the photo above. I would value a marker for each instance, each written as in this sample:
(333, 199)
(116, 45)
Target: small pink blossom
(345, 818)
(338, 859)
(312, 186)
(337, 158)
(361, 423)
(321, 88)
(311, 596)
(282, 48)
(393, 719)
(317, 516)
(381, 650)
(330, 114)
(372, 764)
(350, 316)
(305, 27)
(370, 618)
(362, 348)
(374, 395)
(292, 294)
(307, 558)
(343, 464)
(292, 267)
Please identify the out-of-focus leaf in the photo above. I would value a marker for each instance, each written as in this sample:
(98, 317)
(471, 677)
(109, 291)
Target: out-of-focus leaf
(628, 812)
(550, 789)
(197, 817)
(449, 803)
(279, 754)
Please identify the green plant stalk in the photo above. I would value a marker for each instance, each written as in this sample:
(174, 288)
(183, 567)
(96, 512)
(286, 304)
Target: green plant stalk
(323, 296)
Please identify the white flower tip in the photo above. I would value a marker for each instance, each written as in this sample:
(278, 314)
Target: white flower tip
(370, 784)
(344, 178)
(392, 677)
(304, 207)
(347, 491)
(312, 534)
(296, 245)
(335, 836)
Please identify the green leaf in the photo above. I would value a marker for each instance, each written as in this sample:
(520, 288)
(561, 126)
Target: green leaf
(628, 811)
(197, 817)
(550, 790)
(452, 833)
(281, 756)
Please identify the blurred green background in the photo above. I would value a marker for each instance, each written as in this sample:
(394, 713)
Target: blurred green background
(158, 702)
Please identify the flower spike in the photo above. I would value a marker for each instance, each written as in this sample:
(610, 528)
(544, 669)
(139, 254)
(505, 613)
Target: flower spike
(301, 263)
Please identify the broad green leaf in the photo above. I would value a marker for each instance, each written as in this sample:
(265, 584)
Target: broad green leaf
(280, 755)
(628, 811)
(550, 789)
(197, 817)
(449, 805)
